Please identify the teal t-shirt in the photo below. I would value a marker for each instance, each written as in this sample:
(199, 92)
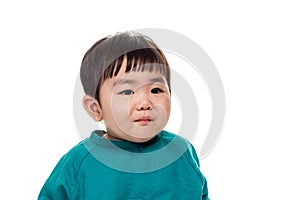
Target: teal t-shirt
(166, 167)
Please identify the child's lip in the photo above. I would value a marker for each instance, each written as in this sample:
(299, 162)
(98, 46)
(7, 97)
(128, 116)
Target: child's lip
(143, 119)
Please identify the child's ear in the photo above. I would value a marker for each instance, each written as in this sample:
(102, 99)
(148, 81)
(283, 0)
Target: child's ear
(92, 107)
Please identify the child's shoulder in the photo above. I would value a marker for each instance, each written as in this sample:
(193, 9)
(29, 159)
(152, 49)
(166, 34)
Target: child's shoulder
(180, 144)
(168, 136)
(76, 154)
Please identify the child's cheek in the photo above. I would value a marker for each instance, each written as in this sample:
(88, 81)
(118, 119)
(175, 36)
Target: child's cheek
(120, 111)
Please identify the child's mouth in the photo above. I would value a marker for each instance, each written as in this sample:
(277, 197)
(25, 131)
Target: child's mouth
(143, 120)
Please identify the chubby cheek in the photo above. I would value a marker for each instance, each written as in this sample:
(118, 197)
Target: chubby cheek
(165, 107)
(164, 101)
(121, 113)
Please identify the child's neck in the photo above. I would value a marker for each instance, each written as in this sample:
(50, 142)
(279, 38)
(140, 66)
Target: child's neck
(110, 137)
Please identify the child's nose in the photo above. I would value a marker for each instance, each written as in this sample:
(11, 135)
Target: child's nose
(145, 105)
(144, 102)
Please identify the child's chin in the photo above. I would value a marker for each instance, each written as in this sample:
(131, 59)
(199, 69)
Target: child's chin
(141, 134)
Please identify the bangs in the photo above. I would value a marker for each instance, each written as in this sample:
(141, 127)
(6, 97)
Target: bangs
(148, 59)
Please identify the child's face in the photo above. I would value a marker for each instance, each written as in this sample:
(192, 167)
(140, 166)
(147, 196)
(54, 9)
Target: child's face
(135, 106)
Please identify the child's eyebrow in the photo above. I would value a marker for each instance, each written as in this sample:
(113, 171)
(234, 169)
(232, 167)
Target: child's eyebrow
(133, 81)
(125, 81)
(157, 80)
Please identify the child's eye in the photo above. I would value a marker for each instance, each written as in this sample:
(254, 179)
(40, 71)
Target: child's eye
(156, 90)
(126, 92)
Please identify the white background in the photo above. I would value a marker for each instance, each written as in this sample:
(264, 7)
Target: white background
(255, 46)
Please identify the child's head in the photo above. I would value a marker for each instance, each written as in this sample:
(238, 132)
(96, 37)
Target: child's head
(126, 78)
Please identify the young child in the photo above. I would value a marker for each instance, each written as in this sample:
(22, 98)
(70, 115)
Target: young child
(126, 79)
